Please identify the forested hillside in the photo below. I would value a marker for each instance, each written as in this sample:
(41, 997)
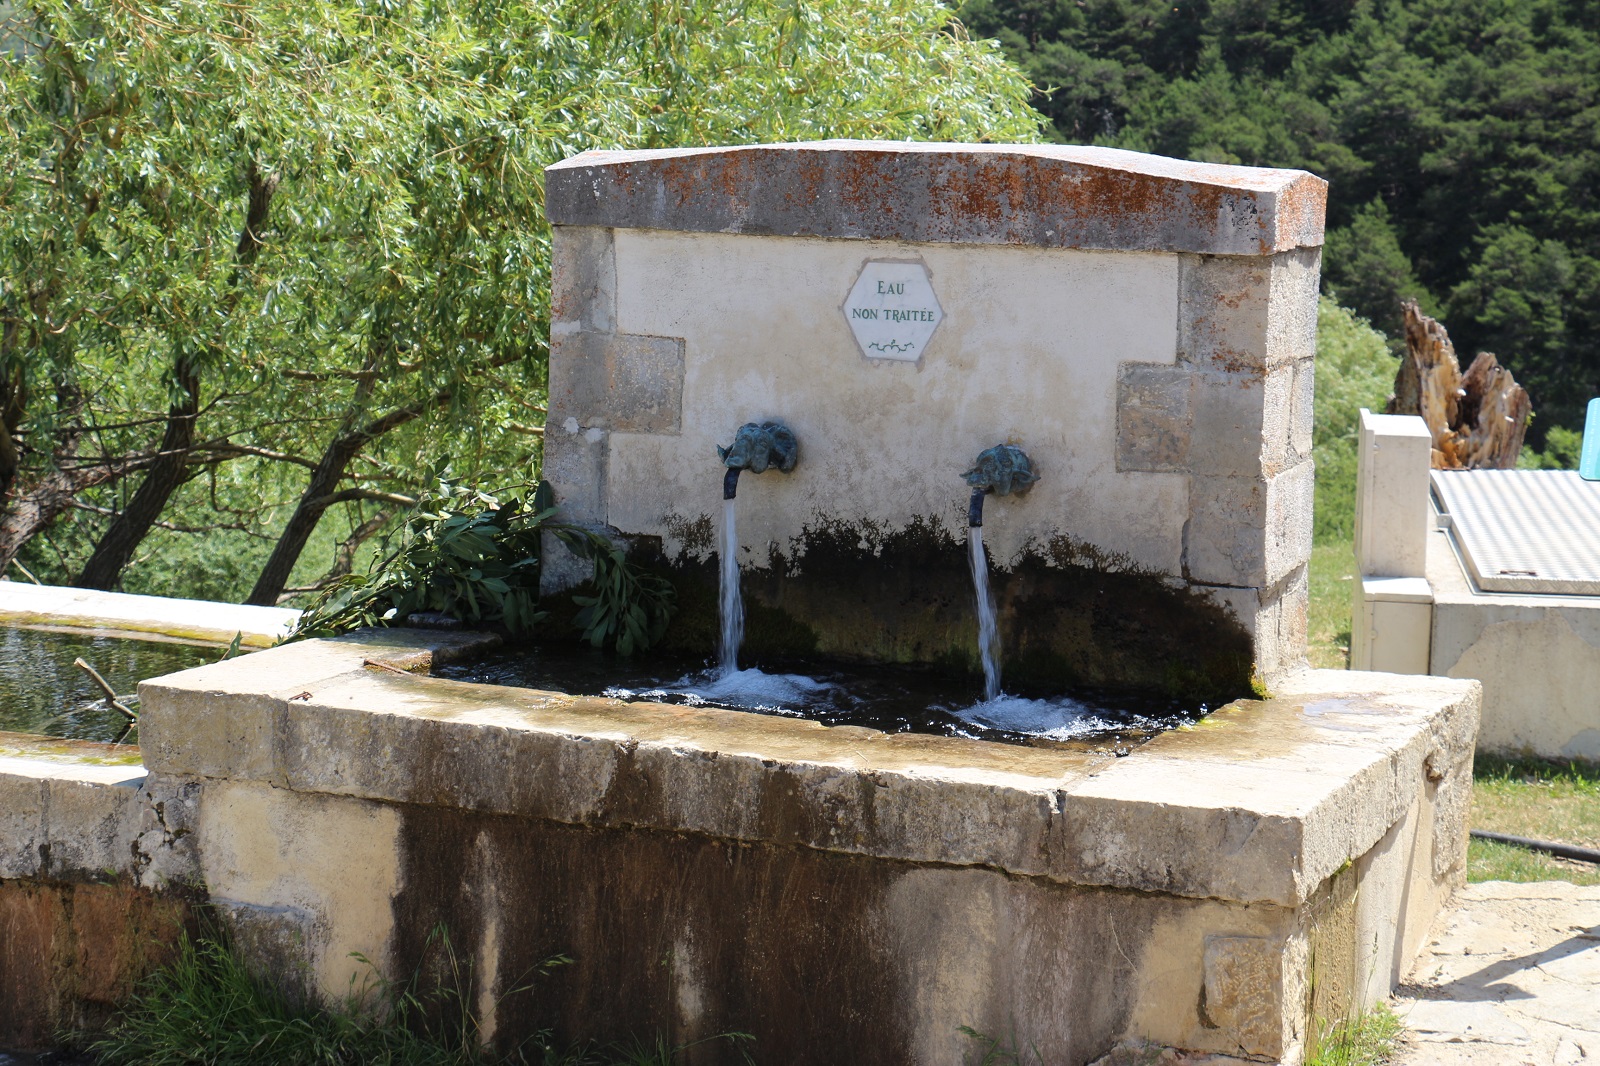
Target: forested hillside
(1461, 138)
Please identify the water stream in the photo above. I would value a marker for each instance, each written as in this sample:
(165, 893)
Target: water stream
(988, 628)
(885, 698)
(732, 601)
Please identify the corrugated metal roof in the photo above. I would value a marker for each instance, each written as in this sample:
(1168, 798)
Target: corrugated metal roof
(1530, 531)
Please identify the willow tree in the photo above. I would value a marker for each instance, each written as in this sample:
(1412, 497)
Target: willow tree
(310, 236)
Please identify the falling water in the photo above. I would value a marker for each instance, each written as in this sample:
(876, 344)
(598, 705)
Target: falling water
(988, 630)
(732, 601)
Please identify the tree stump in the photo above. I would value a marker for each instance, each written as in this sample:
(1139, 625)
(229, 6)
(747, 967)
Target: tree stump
(1478, 418)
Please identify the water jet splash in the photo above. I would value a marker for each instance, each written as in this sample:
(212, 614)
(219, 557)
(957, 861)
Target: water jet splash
(731, 599)
(988, 628)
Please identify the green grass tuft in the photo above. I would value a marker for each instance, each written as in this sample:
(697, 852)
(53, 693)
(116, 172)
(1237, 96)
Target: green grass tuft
(1365, 1041)
(1332, 580)
(1539, 798)
(207, 1009)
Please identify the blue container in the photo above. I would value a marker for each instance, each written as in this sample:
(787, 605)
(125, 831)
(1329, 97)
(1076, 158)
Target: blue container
(1589, 458)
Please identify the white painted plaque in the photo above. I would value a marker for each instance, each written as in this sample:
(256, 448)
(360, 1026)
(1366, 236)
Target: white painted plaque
(892, 310)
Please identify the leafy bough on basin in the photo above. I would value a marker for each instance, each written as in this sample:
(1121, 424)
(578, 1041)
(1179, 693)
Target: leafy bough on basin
(475, 558)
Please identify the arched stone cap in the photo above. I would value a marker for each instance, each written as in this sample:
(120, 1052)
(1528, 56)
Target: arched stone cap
(1049, 196)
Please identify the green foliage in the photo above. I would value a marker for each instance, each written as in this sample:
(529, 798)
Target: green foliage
(1459, 140)
(475, 557)
(465, 554)
(207, 1009)
(1562, 450)
(630, 608)
(1368, 1040)
(1354, 370)
(1369, 273)
(395, 289)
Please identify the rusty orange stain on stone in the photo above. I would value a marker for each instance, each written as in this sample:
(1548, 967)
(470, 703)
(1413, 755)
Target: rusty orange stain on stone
(1028, 195)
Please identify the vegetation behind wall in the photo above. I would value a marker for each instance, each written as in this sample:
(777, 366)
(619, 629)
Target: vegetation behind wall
(262, 264)
(1458, 138)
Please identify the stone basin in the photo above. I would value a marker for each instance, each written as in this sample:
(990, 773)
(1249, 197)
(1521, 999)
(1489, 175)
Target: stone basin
(841, 894)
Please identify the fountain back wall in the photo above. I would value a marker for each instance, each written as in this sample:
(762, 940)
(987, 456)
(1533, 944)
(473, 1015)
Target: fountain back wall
(1142, 327)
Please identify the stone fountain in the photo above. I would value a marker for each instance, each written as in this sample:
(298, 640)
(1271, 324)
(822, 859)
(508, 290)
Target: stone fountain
(1144, 329)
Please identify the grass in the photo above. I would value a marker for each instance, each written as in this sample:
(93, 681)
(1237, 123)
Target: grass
(1332, 574)
(206, 1009)
(1534, 798)
(1365, 1041)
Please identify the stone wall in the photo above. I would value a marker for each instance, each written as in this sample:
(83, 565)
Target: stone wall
(80, 923)
(1143, 327)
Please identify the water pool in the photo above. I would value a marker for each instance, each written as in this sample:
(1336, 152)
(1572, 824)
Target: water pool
(884, 698)
(41, 691)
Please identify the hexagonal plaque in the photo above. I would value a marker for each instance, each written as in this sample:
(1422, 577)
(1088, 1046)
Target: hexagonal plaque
(892, 310)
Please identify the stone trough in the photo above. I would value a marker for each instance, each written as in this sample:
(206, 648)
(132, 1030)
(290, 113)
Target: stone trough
(1145, 329)
(841, 894)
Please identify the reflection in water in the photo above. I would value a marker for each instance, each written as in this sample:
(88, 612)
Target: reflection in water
(42, 692)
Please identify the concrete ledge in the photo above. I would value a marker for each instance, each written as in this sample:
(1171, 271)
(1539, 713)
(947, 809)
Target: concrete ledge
(192, 620)
(68, 809)
(1260, 803)
(1050, 196)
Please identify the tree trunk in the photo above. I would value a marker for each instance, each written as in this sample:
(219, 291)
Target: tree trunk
(13, 405)
(320, 492)
(170, 470)
(307, 513)
(1478, 418)
(27, 511)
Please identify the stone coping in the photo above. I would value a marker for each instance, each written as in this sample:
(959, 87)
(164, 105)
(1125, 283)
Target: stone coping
(69, 809)
(1049, 196)
(1318, 774)
(204, 621)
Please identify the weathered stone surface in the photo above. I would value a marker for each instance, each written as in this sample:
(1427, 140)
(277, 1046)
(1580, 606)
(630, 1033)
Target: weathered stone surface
(1249, 532)
(70, 954)
(882, 442)
(700, 865)
(1508, 977)
(583, 281)
(1241, 422)
(65, 821)
(1128, 450)
(1243, 991)
(1052, 196)
(1207, 812)
(308, 877)
(617, 382)
(1280, 618)
(1153, 417)
(1238, 313)
(1302, 411)
(196, 620)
